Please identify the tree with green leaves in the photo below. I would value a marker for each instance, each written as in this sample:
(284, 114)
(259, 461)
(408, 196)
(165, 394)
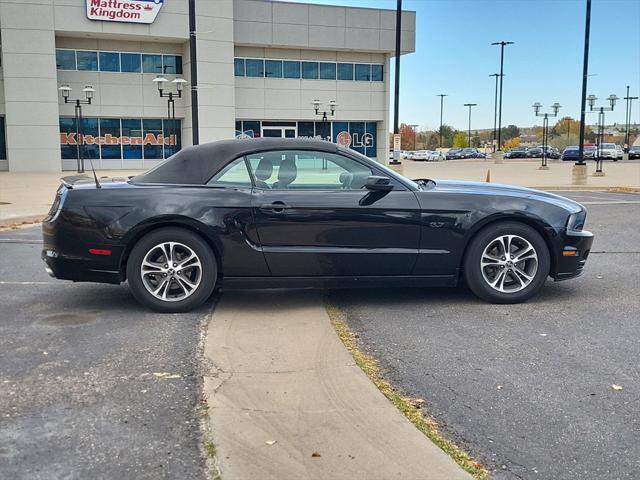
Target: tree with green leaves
(460, 140)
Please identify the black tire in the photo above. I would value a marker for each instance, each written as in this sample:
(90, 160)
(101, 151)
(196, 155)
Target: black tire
(473, 274)
(197, 296)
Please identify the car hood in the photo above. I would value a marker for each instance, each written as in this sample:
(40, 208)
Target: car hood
(489, 188)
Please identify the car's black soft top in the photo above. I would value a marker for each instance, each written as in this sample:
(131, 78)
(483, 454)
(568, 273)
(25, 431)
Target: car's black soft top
(195, 165)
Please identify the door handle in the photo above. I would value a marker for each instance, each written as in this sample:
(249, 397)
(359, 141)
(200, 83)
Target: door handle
(275, 207)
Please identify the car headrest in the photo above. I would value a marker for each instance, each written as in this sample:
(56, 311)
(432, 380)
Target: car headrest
(287, 172)
(264, 169)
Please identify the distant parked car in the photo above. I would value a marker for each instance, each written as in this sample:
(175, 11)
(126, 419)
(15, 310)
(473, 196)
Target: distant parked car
(570, 153)
(537, 152)
(517, 152)
(454, 154)
(634, 152)
(589, 151)
(619, 151)
(470, 153)
(607, 150)
(435, 155)
(419, 156)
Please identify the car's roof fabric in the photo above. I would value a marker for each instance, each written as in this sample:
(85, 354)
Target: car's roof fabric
(197, 164)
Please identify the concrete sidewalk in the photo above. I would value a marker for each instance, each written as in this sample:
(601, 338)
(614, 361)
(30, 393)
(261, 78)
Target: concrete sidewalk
(281, 374)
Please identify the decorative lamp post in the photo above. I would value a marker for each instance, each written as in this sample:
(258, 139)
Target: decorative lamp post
(545, 129)
(88, 90)
(441, 95)
(325, 122)
(160, 81)
(591, 100)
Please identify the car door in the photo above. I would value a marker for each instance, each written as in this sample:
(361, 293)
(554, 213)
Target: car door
(314, 217)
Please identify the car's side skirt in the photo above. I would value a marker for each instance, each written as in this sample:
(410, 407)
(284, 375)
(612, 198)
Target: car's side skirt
(233, 283)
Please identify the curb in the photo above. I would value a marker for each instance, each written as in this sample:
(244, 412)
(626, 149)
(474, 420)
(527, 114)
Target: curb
(17, 222)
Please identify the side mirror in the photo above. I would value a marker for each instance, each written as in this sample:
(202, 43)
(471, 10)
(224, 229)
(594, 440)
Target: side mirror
(378, 183)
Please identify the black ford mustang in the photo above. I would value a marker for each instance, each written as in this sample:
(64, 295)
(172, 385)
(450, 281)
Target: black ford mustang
(304, 213)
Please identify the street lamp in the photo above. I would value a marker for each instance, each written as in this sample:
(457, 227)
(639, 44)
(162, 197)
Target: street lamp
(628, 119)
(591, 100)
(325, 123)
(413, 129)
(441, 95)
(545, 128)
(160, 81)
(495, 110)
(502, 45)
(88, 90)
(470, 105)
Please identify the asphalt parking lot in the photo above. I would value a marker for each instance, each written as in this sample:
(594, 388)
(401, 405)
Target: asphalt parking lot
(527, 389)
(91, 384)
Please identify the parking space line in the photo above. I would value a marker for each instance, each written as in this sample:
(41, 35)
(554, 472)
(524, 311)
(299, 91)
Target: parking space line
(25, 283)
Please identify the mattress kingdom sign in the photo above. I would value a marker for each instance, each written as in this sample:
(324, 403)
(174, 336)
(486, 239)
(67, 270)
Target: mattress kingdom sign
(129, 11)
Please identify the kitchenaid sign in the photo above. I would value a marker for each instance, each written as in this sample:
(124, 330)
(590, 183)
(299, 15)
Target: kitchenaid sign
(130, 11)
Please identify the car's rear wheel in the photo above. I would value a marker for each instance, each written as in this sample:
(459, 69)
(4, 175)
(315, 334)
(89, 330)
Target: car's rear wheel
(171, 270)
(506, 263)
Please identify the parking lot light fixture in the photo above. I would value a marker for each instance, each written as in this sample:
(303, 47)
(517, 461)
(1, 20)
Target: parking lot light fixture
(591, 99)
(179, 82)
(502, 45)
(545, 128)
(627, 119)
(470, 105)
(495, 111)
(88, 90)
(325, 122)
(161, 81)
(441, 95)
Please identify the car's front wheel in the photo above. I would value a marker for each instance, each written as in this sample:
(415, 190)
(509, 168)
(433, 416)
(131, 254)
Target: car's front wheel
(506, 263)
(171, 270)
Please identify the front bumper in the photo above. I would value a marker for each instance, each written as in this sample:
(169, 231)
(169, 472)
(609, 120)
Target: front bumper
(572, 265)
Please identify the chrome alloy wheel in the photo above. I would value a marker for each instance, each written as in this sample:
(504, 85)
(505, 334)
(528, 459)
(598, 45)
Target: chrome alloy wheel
(171, 271)
(509, 263)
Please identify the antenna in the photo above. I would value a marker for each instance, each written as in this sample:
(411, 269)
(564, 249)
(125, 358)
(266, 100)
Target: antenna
(95, 177)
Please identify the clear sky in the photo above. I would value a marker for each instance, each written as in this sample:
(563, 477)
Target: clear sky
(454, 56)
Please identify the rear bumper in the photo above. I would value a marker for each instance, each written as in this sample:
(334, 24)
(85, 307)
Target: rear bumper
(572, 266)
(77, 269)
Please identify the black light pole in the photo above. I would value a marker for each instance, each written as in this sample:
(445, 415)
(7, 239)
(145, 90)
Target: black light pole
(600, 110)
(502, 45)
(193, 63)
(88, 92)
(585, 76)
(171, 105)
(545, 128)
(396, 94)
(325, 122)
(413, 129)
(441, 95)
(470, 105)
(495, 110)
(627, 118)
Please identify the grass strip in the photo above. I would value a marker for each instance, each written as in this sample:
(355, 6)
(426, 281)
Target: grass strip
(406, 405)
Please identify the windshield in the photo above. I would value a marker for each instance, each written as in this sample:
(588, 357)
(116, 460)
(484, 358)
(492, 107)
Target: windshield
(609, 145)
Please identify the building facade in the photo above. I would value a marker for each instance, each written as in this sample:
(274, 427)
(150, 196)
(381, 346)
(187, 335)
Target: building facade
(261, 64)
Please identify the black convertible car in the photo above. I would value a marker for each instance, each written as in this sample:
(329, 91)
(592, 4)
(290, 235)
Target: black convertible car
(305, 213)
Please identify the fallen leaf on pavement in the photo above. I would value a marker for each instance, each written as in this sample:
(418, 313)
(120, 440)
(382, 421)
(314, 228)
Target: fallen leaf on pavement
(616, 387)
(270, 442)
(499, 387)
(315, 455)
(165, 375)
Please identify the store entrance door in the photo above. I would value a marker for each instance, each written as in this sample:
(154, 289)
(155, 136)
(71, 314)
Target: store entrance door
(278, 132)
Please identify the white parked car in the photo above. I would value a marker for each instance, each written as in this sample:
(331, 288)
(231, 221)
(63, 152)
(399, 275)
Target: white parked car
(607, 150)
(435, 156)
(619, 152)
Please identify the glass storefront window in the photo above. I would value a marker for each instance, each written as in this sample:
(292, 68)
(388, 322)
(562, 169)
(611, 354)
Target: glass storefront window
(132, 128)
(310, 70)
(255, 68)
(172, 64)
(87, 60)
(151, 63)
(66, 59)
(238, 67)
(90, 132)
(345, 71)
(363, 72)
(291, 69)
(327, 71)
(110, 130)
(376, 73)
(171, 130)
(130, 62)
(273, 68)
(109, 61)
(306, 129)
(154, 127)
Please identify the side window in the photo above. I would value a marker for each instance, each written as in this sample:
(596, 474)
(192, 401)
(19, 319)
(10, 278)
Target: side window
(235, 174)
(307, 170)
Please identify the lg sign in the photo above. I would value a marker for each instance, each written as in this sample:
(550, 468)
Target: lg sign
(130, 11)
(354, 140)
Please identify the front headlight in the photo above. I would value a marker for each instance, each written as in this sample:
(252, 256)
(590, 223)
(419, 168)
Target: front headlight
(575, 223)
